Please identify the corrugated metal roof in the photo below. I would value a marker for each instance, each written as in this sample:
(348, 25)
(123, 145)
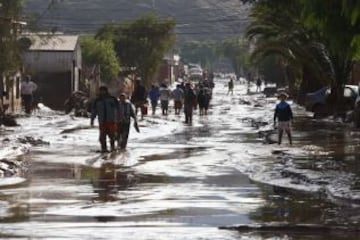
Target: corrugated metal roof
(53, 42)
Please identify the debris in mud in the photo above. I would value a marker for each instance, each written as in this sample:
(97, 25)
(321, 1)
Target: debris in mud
(74, 129)
(268, 136)
(244, 102)
(8, 121)
(256, 123)
(279, 152)
(80, 103)
(291, 228)
(9, 168)
(32, 141)
(258, 105)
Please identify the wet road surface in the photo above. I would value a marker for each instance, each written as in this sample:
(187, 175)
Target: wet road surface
(180, 182)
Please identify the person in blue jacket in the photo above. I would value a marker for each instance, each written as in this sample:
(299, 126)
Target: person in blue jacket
(284, 115)
(154, 96)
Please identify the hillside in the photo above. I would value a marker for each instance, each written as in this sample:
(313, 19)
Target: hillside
(197, 19)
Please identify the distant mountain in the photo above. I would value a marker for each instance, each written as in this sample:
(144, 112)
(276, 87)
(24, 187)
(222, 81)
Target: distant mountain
(197, 19)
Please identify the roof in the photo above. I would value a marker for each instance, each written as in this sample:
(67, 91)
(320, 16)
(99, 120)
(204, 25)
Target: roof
(53, 42)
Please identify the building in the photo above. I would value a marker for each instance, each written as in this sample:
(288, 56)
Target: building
(169, 69)
(55, 64)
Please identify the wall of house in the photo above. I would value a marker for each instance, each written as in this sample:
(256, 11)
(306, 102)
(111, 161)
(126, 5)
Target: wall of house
(53, 88)
(57, 74)
(165, 73)
(47, 61)
(11, 85)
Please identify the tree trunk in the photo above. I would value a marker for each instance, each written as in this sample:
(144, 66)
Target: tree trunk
(337, 100)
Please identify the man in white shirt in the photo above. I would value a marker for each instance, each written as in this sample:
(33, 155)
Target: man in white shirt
(28, 87)
(165, 95)
(178, 95)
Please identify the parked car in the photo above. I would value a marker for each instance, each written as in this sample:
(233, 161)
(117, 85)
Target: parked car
(317, 102)
(270, 91)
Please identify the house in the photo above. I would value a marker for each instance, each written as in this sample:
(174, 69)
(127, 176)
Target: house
(11, 86)
(169, 69)
(55, 64)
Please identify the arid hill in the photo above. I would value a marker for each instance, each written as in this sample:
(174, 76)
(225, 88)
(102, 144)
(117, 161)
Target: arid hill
(197, 19)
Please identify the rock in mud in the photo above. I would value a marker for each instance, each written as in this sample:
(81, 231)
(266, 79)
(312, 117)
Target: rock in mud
(32, 141)
(244, 102)
(9, 168)
(268, 136)
(279, 152)
(9, 121)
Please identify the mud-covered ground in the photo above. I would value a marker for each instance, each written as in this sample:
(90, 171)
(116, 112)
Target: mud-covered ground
(182, 182)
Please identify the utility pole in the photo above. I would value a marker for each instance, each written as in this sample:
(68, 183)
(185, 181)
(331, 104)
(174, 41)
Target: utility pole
(10, 27)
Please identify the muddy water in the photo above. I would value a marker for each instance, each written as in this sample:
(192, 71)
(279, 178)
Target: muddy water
(182, 185)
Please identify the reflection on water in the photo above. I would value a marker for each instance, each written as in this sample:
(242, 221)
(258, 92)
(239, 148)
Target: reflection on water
(110, 181)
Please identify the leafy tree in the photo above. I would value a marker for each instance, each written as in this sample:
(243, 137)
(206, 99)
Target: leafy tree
(101, 52)
(141, 44)
(238, 52)
(318, 39)
(205, 53)
(10, 13)
(208, 53)
(303, 53)
(338, 25)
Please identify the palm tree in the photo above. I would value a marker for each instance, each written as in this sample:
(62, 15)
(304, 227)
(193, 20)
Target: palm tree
(301, 53)
(338, 25)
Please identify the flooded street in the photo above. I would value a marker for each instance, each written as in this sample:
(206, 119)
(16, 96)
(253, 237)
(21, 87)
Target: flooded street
(184, 182)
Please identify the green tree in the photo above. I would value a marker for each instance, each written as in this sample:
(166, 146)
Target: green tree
(318, 38)
(301, 52)
(238, 52)
(205, 53)
(338, 25)
(101, 52)
(141, 44)
(10, 14)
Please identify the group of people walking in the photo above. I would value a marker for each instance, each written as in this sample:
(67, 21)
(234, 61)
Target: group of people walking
(184, 96)
(114, 117)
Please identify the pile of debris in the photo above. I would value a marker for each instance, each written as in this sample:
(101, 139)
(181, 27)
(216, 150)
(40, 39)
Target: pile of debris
(8, 121)
(80, 103)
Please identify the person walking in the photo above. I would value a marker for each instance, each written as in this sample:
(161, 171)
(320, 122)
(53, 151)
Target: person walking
(284, 115)
(258, 85)
(2, 110)
(165, 96)
(126, 112)
(139, 97)
(105, 108)
(27, 90)
(178, 95)
(203, 99)
(154, 96)
(189, 99)
(231, 87)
